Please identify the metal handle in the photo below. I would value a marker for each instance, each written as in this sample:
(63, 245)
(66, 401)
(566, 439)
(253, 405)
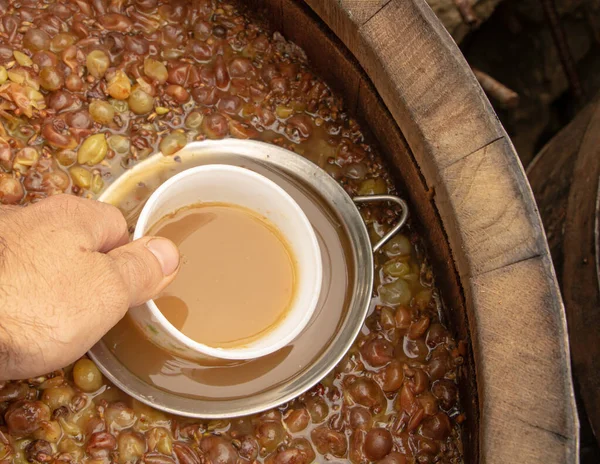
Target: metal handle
(399, 224)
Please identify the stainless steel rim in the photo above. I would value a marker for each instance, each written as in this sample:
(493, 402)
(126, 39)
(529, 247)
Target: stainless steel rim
(298, 168)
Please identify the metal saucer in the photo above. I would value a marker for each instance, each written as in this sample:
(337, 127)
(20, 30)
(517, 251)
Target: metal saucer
(180, 387)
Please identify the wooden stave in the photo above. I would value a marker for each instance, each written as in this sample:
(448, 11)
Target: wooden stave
(565, 179)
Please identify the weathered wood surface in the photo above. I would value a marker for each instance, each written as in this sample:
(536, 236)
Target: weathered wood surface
(550, 175)
(571, 163)
(469, 190)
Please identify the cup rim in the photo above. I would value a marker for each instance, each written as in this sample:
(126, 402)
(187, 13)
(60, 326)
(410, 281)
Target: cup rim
(238, 353)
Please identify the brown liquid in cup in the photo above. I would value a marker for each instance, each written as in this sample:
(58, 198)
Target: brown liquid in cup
(237, 276)
(225, 380)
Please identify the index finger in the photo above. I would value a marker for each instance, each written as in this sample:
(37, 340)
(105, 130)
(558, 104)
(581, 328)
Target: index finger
(96, 226)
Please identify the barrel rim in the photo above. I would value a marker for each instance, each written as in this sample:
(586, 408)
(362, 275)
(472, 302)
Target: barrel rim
(489, 216)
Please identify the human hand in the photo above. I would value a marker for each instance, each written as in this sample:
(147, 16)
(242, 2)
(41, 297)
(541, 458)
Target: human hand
(67, 275)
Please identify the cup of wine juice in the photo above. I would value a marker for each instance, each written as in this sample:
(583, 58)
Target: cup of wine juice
(250, 273)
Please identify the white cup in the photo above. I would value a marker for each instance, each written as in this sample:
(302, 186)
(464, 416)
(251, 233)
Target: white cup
(238, 186)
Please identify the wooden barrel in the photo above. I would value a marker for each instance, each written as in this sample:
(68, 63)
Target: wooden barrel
(565, 179)
(401, 73)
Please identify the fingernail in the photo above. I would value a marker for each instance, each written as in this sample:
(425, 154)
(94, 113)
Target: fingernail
(167, 254)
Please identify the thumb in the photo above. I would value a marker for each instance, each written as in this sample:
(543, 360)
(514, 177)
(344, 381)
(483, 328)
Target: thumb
(147, 266)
